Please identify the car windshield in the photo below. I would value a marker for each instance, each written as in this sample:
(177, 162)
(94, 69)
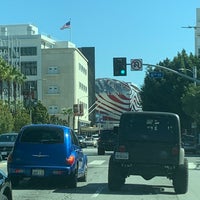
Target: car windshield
(8, 138)
(149, 127)
(42, 135)
(89, 139)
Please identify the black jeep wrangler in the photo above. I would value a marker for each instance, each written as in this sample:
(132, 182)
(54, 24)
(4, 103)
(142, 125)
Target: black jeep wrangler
(107, 140)
(149, 145)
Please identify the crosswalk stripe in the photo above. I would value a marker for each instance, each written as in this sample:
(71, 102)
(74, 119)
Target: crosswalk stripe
(96, 162)
(192, 165)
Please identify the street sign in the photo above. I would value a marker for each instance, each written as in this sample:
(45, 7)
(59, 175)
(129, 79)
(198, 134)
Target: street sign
(136, 64)
(156, 74)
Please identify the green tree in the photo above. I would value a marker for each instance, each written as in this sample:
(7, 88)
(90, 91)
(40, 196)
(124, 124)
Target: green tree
(21, 117)
(68, 112)
(39, 114)
(191, 104)
(6, 118)
(165, 94)
(12, 78)
(3, 67)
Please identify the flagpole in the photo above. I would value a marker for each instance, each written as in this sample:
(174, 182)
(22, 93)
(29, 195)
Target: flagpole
(70, 34)
(67, 25)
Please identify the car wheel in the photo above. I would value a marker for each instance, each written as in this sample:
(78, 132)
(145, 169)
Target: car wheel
(180, 179)
(115, 178)
(15, 181)
(73, 179)
(101, 151)
(84, 177)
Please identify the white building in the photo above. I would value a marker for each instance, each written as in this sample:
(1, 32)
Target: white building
(57, 72)
(197, 33)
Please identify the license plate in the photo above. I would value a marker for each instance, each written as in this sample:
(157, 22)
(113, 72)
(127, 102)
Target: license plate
(38, 172)
(121, 155)
(3, 153)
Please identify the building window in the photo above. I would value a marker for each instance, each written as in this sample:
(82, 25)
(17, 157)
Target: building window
(53, 70)
(53, 89)
(82, 87)
(28, 51)
(53, 109)
(198, 52)
(82, 69)
(29, 68)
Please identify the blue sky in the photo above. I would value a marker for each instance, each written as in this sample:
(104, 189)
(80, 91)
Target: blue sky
(146, 29)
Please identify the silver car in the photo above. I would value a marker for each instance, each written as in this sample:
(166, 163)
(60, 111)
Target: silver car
(7, 141)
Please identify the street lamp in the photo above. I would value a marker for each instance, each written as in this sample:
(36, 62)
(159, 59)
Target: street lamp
(193, 71)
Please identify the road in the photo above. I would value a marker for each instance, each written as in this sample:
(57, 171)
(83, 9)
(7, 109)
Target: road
(136, 188)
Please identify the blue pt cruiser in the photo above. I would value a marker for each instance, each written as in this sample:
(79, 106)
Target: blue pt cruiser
(47, 151)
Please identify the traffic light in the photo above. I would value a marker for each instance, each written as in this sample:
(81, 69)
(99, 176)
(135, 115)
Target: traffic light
(119, 66)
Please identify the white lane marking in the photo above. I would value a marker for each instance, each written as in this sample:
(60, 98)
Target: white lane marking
(96, 194)
(3, 163)
(192, 166)
(96, 162)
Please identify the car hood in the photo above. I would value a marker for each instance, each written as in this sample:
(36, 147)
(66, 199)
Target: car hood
(7, 143)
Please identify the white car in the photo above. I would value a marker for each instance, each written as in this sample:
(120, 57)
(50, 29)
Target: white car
(90, 141)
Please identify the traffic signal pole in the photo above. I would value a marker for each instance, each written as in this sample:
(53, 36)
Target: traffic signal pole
(175, 72)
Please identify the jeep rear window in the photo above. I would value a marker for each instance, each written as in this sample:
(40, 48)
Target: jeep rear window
(149, 127)
(107, 134)
(42, 135)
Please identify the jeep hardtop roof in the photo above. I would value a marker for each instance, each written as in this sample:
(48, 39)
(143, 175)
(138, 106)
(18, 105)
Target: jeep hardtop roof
(149, 125)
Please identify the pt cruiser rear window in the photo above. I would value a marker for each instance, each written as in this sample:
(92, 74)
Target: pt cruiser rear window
(42, 135)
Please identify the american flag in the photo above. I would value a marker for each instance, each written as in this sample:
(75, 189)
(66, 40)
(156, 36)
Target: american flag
(66, 25)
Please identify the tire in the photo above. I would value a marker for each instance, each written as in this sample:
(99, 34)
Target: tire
(15, 181)
(84, 177)
(180, 179)
(73, 179)
(101, 151)
(115, 178)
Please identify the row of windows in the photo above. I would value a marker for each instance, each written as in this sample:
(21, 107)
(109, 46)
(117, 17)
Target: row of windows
(82, 87)
(53, 89)
(29, 68)
(28, 51)
(53, 109)
(53, 70)
(82, 69)
(17, 51)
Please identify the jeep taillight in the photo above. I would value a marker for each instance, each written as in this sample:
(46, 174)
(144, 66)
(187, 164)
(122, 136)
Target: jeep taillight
(122, 148)
(70, 160)
(175, 151)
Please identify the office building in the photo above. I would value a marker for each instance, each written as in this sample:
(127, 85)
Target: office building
(57, 72)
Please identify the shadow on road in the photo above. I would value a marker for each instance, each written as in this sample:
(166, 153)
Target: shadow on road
(96, 188)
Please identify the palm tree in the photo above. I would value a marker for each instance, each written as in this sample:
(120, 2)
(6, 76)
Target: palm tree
(9, 79)
(12, 77)
(3, 67)
(18, 79)
(68, 112)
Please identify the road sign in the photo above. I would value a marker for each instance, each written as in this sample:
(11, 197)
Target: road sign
(156, 74)
(136, 64)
